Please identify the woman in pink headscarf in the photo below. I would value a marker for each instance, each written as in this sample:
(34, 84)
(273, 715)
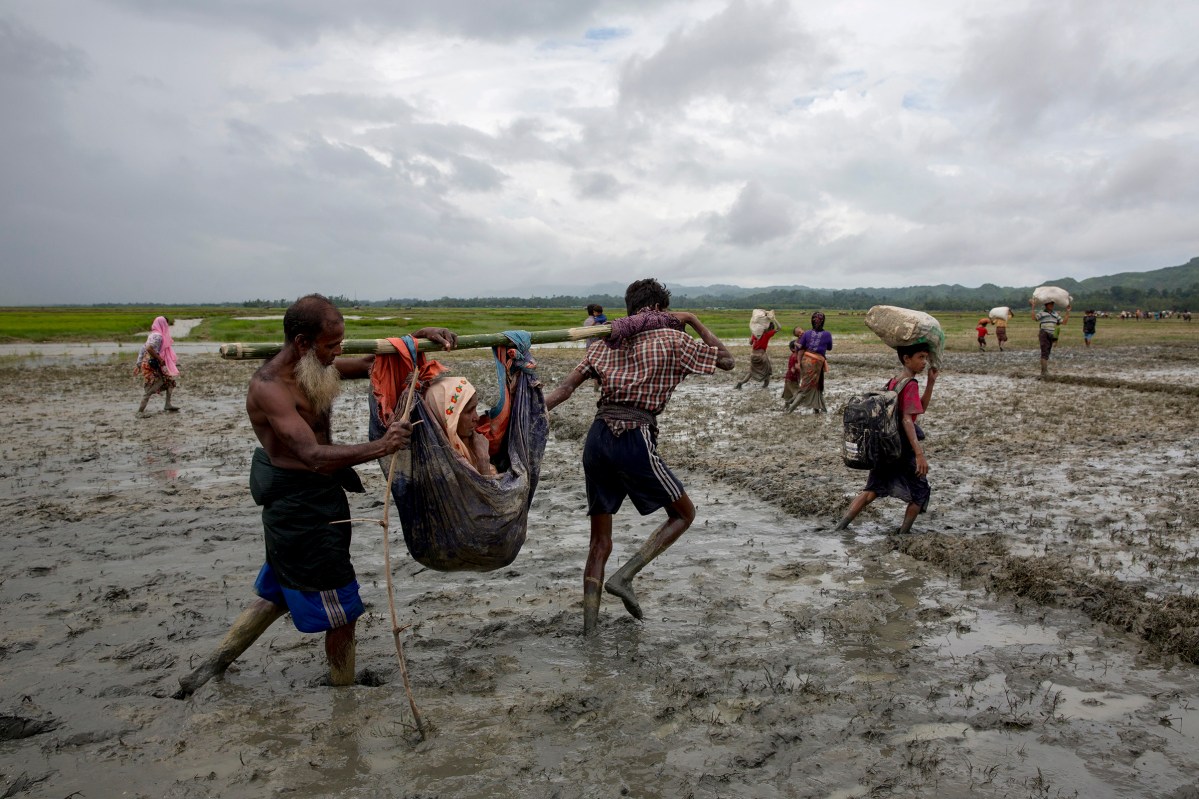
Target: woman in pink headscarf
(452, 402)
(157, 365)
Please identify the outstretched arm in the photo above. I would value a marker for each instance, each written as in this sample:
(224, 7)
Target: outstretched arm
(354, 368)
(563, 390)
(724, 359)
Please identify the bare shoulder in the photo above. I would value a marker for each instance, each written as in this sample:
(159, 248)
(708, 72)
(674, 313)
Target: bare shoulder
(268, 384)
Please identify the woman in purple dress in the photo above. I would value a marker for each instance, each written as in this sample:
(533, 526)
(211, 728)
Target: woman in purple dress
(813, 345)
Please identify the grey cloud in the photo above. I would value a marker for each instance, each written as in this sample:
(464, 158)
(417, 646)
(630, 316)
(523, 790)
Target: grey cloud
(249, 138)
(1026, 65)
(595, 185)
(729, 54)
(472, 174)
(304, 21)
(756, 217)
(356, 107)
(342, 161)
(224, 184)
(25, 53)
(1064, 66)
(1156, 172)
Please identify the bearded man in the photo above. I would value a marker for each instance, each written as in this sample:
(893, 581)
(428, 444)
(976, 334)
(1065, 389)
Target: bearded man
(300, 478)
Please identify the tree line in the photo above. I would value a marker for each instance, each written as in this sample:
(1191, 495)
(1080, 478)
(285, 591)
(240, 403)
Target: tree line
(922, 298)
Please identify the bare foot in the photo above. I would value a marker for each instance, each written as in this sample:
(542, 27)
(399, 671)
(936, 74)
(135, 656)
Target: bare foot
(193, 682)
(619, 588)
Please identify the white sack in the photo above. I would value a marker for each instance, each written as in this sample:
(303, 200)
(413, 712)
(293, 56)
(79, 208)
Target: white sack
(1059, 297)
(759, 321)
(898, 327)
(1001, 312)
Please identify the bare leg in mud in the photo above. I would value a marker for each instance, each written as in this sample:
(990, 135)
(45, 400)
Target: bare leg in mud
(857, 506)
(909, 518)
(340, 649)
(151, 390)
(680, 513)
(246, 629)
(593, 572)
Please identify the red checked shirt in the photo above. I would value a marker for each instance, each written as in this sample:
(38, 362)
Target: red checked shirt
(645, 371)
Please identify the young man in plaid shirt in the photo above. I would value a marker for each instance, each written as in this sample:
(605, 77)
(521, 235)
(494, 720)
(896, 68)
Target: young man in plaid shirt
(651, 356)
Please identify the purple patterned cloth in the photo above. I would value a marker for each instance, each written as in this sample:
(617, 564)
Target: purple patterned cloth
(817, 341)
(645, 319)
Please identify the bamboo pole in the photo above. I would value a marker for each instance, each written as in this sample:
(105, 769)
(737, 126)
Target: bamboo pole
(381, 346)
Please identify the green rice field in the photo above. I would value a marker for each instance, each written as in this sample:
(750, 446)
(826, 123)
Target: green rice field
(238, 324)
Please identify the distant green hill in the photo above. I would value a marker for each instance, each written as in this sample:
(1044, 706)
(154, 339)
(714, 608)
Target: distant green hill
(1171, 288)
(1171, 278)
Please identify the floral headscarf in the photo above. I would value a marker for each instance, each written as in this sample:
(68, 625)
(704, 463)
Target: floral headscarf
(818, 321)
(444, 400)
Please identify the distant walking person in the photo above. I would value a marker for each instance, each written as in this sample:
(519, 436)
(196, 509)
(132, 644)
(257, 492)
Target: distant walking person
(157, 365)
(791, 376)
(1049, 320)
(595, 315)
(814, 345)
(1000, 332)
(981, 330)
(1088, 326)
(759, 360)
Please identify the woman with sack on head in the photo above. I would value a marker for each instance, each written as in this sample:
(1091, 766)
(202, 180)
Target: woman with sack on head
(157, 365)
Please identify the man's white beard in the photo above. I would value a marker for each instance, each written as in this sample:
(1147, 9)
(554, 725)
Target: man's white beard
(320, 383)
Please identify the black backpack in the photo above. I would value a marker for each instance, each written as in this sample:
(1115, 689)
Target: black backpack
(873, 435)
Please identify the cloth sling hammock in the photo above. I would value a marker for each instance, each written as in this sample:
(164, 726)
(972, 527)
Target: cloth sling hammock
(455, 519)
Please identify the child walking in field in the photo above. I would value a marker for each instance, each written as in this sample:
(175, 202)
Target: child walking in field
(791, 378)
(907, 476)
(982, 335)
(1088, 327)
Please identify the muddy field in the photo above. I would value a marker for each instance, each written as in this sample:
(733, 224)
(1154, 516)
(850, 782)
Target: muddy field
(1035, 637)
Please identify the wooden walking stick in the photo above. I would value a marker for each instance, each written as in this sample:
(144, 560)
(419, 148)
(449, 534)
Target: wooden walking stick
(396, 629)
(391, 597)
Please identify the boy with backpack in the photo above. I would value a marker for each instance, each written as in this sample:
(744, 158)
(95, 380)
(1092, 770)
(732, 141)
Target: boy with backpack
(905, 477)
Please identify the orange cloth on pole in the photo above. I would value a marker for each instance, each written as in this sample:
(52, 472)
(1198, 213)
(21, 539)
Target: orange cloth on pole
(391, 374)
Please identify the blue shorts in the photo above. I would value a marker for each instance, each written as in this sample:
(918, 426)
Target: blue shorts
(627, 465)
(311, 611)
(1087, 336)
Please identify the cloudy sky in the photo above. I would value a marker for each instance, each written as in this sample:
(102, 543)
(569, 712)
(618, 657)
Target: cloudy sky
(180, 151)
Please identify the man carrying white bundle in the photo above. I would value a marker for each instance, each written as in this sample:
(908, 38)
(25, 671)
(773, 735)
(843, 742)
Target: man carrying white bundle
(1049, 320)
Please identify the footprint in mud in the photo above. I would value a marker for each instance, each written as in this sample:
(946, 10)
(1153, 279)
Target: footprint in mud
(13, 728)
(371, 678)
(365, 678)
